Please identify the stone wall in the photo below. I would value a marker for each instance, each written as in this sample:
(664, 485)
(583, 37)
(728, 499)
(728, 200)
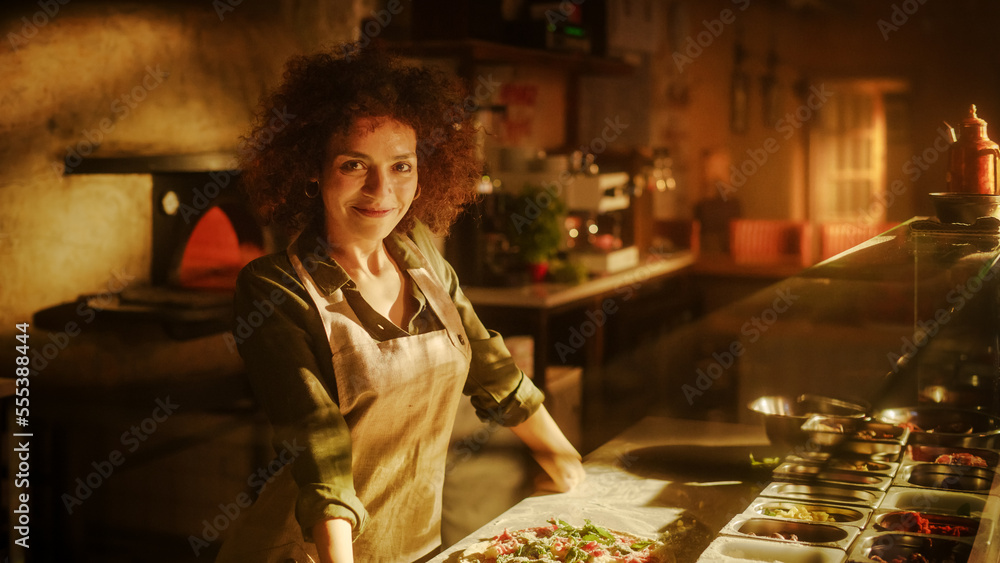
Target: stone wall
(123, 78)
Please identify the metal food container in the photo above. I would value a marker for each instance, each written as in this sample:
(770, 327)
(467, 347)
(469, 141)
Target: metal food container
(728, 548)
(890, 546)
(863, 465)
(832, 431)
(792, 531)
(823, 493)
(946, 426)
(819, 475)
(946, 477)
(843, 515)
(933, 501)
(930, 454)
(875, 451)
(808, 457)
(920, 523)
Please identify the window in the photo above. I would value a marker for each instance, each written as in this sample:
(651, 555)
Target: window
(847, 152)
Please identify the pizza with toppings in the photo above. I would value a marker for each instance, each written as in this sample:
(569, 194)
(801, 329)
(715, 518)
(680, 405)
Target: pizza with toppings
(560, 542)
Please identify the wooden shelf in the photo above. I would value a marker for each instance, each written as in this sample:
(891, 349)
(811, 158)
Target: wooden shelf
(487, 52)
(151, 164)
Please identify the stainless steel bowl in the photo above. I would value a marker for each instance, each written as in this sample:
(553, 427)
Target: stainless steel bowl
(965, 208)
(945, 426)
(784, 416)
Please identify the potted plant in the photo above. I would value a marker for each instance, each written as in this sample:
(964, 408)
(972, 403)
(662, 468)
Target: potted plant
(535, 227)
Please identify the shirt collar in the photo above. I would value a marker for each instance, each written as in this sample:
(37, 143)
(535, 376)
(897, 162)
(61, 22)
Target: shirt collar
(312, 249)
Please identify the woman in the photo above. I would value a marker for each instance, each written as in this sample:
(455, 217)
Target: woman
(365, 341)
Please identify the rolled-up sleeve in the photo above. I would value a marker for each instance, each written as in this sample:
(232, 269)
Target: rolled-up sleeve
(498, 389)
(283, 344)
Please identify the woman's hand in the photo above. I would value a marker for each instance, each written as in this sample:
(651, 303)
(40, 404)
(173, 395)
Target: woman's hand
(333, 541)
(552, 451)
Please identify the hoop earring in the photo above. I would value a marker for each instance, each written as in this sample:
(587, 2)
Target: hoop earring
(417, 194)
(313, 194)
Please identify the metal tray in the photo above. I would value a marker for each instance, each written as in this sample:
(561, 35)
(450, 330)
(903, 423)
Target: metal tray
(890, 545)
(842, 515)
(807, 533)
(727, 548)
(933, 501)
(962, 478)
(823, 493)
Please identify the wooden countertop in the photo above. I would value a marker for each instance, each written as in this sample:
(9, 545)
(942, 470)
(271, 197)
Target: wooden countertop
(553, 295)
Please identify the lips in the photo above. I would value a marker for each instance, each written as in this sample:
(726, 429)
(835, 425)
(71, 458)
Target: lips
(373, 213)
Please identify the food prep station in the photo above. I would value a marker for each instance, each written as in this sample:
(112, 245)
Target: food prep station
(852, 463)
(898, 498)
(713, 492)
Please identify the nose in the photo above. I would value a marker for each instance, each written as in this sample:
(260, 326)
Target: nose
(377, 182)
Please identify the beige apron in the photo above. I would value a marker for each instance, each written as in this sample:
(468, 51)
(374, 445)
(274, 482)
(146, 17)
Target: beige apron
(399, 398)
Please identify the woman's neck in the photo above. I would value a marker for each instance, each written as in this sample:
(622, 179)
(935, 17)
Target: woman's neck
(364, 258)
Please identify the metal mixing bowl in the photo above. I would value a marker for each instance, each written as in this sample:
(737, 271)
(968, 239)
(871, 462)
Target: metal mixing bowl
(965, 208)
(784, 416)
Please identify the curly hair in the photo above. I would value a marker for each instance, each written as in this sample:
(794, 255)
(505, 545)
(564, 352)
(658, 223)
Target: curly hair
(322, 95)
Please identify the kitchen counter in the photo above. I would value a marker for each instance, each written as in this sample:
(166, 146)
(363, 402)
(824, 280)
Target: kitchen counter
(683, 479)
(660, 475)
(589, 324)
(556, 295)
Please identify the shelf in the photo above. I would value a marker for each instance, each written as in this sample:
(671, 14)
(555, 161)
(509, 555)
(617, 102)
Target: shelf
(150, 164)
(487, 52)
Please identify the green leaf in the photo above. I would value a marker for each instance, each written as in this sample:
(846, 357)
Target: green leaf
(574, 554)
(641, 544)
(590, 527)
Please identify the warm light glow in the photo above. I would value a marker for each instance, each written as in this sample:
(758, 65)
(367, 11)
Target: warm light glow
(213, 255)
(592, 228)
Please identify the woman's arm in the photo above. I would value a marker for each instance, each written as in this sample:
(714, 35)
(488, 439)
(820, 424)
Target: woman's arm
(333, 541)
(551, 450)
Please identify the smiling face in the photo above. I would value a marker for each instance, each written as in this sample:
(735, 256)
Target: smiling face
(368, 180)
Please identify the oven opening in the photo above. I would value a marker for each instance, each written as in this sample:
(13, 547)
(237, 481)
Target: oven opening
(215, 254)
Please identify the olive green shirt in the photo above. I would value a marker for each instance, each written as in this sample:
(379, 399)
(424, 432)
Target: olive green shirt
(289, 364)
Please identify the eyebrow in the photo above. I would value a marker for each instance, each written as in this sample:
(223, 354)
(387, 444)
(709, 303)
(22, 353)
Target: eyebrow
(353, 154)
